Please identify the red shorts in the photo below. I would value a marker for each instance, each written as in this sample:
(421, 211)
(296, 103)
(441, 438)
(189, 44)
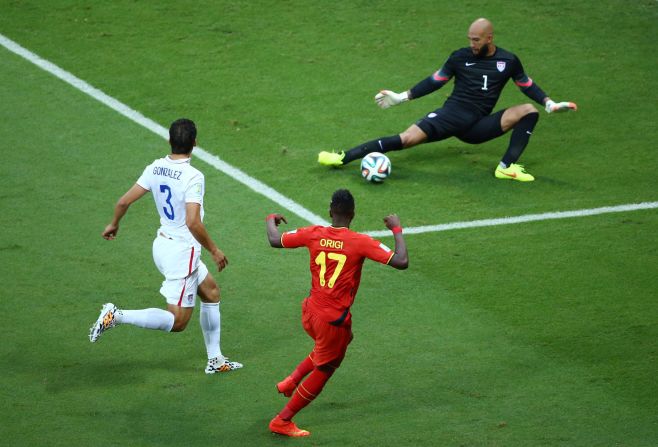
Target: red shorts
(330, 341)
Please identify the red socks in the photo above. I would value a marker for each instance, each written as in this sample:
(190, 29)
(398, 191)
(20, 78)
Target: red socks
(308, 390)
(305, 367)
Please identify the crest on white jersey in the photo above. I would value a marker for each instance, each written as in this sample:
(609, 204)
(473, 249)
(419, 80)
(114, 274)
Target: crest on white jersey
(500, 65)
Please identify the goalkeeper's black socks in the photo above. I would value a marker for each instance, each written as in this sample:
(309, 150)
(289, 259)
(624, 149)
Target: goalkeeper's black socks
(393, 143)
(520, 137)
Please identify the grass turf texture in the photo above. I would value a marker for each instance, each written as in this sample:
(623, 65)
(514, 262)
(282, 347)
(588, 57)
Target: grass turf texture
(534, 334)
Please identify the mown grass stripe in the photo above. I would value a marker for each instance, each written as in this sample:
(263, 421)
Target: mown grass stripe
(133, 115)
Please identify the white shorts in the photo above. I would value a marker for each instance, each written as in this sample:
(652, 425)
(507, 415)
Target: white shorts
(180, 263)
(182, 292)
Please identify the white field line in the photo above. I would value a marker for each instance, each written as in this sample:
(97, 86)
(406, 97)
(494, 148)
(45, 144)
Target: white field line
(261, 188)
(135, 116)
(521, 219)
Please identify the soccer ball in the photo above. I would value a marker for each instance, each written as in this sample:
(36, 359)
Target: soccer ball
(375, 167)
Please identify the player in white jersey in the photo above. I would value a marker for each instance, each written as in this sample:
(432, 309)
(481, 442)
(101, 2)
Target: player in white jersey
(178, 190)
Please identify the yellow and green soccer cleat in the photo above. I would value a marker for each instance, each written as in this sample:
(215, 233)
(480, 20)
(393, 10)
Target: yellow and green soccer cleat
(513, 172)
(331, 158)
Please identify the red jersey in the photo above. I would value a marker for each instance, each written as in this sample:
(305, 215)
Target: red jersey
(337, 256)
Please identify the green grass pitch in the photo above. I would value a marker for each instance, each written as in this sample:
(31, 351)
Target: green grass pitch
(536, 334)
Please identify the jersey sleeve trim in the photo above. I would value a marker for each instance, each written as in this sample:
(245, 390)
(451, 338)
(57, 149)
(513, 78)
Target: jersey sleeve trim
(296, 238)
(390, 257)
(429, 84)
(143, 184)
(525, 82)
(440, 76)
(194, 192)
(534, 92)
(143, 179)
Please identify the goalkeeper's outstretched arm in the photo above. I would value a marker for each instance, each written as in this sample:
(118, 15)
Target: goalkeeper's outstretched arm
(388, 98)
(532, 91)
(562, 106)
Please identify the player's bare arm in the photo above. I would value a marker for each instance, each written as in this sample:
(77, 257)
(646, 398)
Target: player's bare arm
(121, 208)
(198, 230)
(273, 235)
(400, 259)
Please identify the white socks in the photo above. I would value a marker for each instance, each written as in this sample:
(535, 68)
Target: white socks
(210, 326)
(152, 318)
(163, 320)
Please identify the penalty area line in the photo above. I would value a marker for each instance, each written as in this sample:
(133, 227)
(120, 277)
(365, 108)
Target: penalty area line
(520, 219)
(269, 192)
(133, 115)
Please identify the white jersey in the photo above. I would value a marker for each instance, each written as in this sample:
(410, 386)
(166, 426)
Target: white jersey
(173, 184)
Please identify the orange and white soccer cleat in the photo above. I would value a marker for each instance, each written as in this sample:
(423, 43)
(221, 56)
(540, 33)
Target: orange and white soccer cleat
(106, 320)
(286, 386)
(287, 428)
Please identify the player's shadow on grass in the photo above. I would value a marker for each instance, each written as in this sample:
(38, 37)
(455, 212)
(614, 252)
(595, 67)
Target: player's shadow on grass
(460, 164)
(449, 164)
(109, 371)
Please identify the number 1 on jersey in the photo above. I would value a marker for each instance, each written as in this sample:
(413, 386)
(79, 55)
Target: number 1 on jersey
(484, 87)
(321, 260)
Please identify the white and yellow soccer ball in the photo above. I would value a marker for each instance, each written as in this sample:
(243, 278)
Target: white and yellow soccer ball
(375, 167)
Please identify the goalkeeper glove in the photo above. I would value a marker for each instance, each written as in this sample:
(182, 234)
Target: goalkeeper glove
(387, 98)
(564, 106)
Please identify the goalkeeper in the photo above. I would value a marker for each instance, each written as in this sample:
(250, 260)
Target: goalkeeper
(480, 72)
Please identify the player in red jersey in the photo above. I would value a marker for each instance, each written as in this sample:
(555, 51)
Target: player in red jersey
(336, 258)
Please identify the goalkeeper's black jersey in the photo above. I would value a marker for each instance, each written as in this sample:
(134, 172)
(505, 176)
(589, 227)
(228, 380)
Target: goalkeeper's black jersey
(480, 81)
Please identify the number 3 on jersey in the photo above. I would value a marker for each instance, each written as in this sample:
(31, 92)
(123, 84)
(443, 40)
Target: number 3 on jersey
(321, 260)
(169, 212)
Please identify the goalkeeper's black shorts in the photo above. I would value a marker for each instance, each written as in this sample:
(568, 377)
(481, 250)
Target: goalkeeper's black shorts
(468, 125)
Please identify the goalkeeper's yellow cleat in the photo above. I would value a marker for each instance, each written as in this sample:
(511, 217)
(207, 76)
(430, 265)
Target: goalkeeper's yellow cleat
(513, 172)
(331, 158)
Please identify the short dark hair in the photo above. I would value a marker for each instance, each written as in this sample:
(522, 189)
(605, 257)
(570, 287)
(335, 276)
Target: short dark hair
(182, 135)
(342, 203)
